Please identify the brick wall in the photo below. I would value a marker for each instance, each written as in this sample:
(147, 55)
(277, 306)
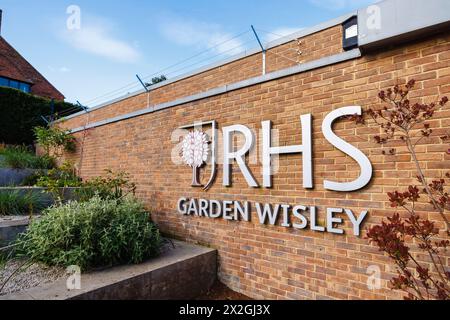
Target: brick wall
(270, 261)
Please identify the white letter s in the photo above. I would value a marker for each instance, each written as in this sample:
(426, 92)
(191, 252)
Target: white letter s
(360, 158)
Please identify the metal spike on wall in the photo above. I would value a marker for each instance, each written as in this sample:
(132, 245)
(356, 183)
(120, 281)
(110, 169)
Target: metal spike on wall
(142, 82)
(81, 106)
(264, 51)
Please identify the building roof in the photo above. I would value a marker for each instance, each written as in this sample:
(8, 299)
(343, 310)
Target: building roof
(14, 66)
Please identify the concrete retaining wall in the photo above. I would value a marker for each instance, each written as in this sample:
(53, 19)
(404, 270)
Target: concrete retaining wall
(45, 197)
(10, 228)
(184, 273)
(14, 177)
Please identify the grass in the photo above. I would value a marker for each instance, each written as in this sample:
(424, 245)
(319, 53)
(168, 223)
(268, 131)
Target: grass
(14, 202)
(3, 260)
(20, 157)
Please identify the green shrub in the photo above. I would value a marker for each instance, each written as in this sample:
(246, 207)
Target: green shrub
(62, 177)
(96, 233)
(21, 112)
(43, 162)
(54, 140)
(14, 202)
(112, 186)
(20, 157)
(32, 179)
(55, 180)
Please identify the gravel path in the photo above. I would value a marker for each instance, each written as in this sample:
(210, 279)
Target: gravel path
(33, 276)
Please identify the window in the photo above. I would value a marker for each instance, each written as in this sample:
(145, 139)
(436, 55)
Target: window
(14, 84)
(4, 82)
(22, 86)
(25, 87)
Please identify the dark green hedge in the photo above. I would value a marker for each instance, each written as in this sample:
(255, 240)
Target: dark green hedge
(21, 112)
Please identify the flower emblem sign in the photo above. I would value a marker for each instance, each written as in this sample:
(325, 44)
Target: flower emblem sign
(194, 153)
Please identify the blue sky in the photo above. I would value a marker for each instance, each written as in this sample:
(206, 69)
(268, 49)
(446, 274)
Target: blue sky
(118, 39)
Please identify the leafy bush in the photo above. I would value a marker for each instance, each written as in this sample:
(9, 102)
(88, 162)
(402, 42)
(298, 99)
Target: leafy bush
(43, 162)
(54, 140)
(20, 157)
(62, 177)
(96, 233)
(405, 124)
(156, 80)
(56, 179)
(21, 112)
(112, 186)
(32, 179)
(14, 202)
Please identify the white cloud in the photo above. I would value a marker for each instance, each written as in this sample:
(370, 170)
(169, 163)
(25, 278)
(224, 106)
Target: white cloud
(281, 32)
(62, 69)
(98, 40)
(341, 4)
(201, 35)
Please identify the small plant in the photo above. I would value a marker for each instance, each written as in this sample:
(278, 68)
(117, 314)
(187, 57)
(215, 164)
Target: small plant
(407, 124)
(96, 233)
(14, 202)
(3, 260)
(113, 186)
(395, 236)
(55, 141)
(156, 80)
(32, 179)
(43, 162)
(20, 157)
(56, 180)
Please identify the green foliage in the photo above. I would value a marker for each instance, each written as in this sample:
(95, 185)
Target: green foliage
(32, 180)
(3, 260)
(55, 180)
(91, 234)
(54, 140)
(43, 162)
(112, 186)
(21, 112)
(14, 202)
(20, 157)
(156, 80)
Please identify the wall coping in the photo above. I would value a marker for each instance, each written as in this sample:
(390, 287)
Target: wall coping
(319, 63)
(270, 45)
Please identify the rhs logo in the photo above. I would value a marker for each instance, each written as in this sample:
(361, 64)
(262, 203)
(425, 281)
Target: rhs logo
(199, 148)
(195, 153)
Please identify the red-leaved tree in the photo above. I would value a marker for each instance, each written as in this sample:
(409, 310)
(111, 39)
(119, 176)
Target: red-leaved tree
(408, 122)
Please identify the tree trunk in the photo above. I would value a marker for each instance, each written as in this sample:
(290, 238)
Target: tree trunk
(195, 182)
